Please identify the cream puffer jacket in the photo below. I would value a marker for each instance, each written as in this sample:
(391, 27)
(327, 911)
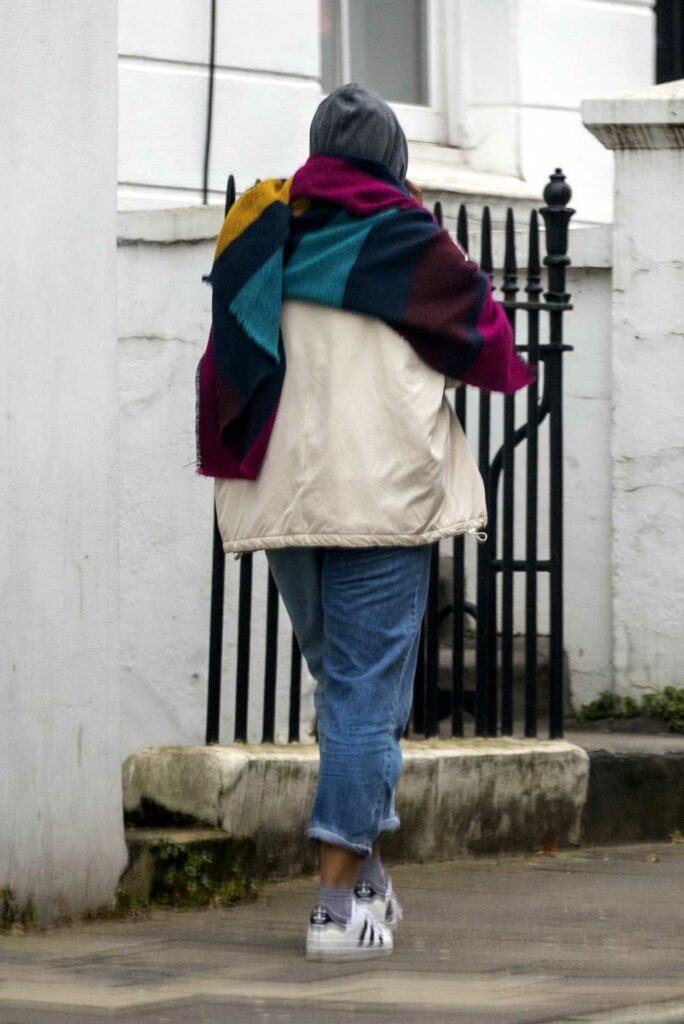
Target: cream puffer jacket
(365, 451)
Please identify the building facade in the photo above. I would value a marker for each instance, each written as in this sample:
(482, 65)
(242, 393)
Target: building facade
(489, 92)
(491, 86)
(106, 529)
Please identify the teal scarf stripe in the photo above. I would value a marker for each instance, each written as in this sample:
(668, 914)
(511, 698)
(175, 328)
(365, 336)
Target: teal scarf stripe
(319, 268)
(256, 307)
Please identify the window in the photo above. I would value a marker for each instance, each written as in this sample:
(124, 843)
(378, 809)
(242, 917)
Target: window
(390, 46)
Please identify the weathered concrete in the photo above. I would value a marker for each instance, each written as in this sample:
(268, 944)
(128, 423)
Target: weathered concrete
(454, 796)
(636, 786)
(593, 935)
(633, 796)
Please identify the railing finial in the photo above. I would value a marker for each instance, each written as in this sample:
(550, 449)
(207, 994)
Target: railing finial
(557, 216)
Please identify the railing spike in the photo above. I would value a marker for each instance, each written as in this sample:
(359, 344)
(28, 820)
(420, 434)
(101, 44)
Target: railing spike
(230, 192)
(510, 267)
(439, 213)
(534, 285)
(486, 261)
(462, 227)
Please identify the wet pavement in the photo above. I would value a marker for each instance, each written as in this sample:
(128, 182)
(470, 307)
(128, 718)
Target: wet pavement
(592, 934)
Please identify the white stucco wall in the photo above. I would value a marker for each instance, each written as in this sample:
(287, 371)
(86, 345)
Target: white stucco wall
(646, 130)
(61, 837)
(166, 510)
(266, 89)
(587, 483)
(529, 65)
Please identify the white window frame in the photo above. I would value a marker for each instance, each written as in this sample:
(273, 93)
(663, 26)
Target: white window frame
(429, 123)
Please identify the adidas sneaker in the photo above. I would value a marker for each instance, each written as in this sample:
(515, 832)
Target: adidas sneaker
(385, 909)
(362, 937)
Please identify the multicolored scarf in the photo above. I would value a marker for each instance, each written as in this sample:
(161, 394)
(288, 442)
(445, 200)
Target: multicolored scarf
(342, 232)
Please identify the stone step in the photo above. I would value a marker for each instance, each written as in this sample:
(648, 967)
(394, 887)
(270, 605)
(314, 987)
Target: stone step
(454, 797)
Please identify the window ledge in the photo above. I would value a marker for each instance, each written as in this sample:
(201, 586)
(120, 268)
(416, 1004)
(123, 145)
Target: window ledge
(442, 169)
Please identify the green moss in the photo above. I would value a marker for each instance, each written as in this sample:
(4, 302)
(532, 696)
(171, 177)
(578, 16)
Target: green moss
(14, 914)
(666, 704)
(189, 875)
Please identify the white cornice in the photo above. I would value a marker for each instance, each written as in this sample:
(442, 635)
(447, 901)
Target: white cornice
(649, 118)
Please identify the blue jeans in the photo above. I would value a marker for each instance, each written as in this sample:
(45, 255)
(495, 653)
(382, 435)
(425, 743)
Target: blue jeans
(356, 613)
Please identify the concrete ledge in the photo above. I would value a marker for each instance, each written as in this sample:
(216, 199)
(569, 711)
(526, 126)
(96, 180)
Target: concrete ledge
(454, 797)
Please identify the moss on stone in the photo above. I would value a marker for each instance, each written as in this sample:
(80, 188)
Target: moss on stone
(15, 915)
(666, 705)
(187, 869)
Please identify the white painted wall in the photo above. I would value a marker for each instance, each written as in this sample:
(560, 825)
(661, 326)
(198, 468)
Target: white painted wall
(166, 510)
(61, 837)
(587, 483)
(646, 130)
(266, 90)
(529, 64)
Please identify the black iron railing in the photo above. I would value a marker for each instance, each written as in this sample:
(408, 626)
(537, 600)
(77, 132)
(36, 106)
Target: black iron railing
(440, 693)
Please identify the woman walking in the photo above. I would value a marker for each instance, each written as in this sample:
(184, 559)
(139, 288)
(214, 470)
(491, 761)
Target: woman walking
(341, 312)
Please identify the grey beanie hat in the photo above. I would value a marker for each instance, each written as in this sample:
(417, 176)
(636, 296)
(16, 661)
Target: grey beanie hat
(353, 121)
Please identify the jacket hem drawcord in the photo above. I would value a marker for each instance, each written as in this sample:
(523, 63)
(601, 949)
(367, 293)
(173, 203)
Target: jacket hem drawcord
(240, 547)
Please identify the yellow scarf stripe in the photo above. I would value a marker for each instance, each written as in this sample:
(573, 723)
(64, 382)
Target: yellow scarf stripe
(249, 207)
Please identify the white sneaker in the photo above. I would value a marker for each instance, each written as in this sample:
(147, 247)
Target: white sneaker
(362, 937)
(386, 909)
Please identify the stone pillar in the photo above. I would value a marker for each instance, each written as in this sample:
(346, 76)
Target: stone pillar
(646, 131)
(61, 835)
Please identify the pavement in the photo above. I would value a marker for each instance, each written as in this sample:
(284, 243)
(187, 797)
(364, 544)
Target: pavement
(581, 935)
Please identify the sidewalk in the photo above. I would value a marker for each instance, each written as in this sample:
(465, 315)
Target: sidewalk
(595, 934)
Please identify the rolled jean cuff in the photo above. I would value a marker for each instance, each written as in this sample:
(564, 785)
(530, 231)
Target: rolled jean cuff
(324, 835)
(389, 824)
(333, 839)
